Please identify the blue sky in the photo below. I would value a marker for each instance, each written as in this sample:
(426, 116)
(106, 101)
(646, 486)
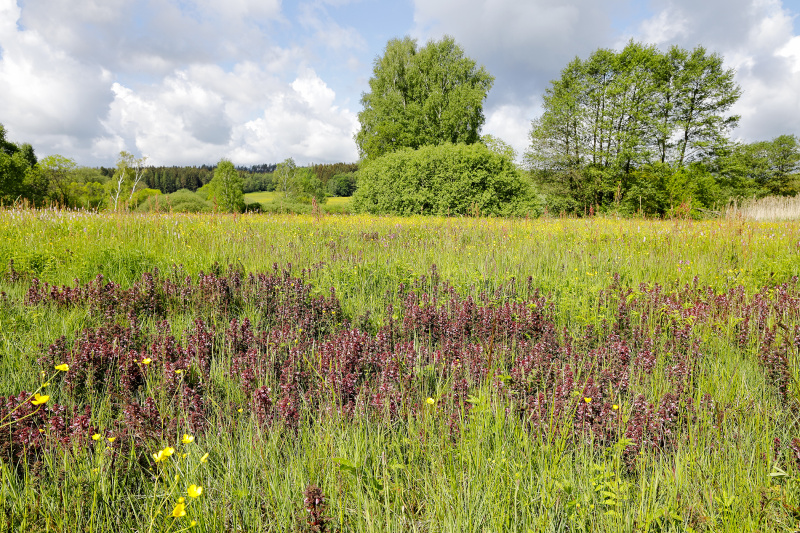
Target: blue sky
(191, 81)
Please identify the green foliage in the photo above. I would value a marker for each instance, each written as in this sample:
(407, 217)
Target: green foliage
(449, 179)
(225, 189)
(182, 201)
(327, 171)
(609, 119)
(20, 175)
(421, 96)
(342, 184)
(305, 186)
(59, 171)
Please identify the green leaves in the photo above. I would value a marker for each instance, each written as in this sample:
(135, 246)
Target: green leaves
(225, 187)
(418, 97)
(444, 180)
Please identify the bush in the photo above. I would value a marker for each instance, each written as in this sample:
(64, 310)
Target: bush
(181, 201)
(342, 184)
(448, 179)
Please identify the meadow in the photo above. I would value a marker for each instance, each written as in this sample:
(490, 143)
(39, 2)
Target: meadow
(352, 373)
(274, 200)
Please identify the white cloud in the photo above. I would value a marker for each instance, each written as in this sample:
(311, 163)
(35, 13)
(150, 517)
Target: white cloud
(511, 123)
(664, 27)
(203, 114)
(45, 92)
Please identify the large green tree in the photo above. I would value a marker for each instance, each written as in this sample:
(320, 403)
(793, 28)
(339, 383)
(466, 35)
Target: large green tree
(617, 112)
(422, 96)
(225, 188)
(20, 175)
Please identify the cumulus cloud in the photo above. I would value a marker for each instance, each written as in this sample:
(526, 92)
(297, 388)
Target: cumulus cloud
(756, 38)
(200, 115)
(46, 93)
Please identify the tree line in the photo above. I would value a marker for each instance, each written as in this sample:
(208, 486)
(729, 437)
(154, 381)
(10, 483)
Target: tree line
(637, 130)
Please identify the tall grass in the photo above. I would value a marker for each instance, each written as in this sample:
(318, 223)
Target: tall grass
(769, 208)
(472, 439)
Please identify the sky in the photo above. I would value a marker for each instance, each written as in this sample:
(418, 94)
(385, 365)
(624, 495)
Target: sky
(188, 82)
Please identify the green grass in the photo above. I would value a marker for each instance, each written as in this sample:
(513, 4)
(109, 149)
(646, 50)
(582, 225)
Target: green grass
(415, 473)
(273, 200)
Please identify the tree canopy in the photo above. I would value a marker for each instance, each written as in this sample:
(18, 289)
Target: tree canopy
(619, 114)
(422, 96)
(448, 179)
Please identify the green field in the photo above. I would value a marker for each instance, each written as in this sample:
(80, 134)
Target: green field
(266, 197)
(423, 374)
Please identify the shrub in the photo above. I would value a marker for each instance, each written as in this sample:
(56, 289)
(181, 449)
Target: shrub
(448, 179)
(181, 201)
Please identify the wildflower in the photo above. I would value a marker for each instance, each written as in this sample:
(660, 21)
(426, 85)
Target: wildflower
(169, 450)
(204, 458)
(193, 523)
(240, 410)
(194, 491)
(39, 399)
(587, 400)
(46, 384)
(187, 439)
(146, 361)
(97, 436)
(62, 367)
(615, 407)
(112, 439)
(179, 371)
(41, 431)
(179, 510)
(430, 401)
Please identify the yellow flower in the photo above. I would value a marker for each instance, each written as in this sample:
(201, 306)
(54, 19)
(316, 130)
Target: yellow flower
(179, 510)
(587, 400)
(38, 399)
(187, 439)
(430, 401)
(169, 450)
(204, 458)
(112, 439)
(146, 361)
(194, 491)
(159, 456)
(46, 384)
(179, 371)
(193, 523)
(240, 410)
(615, 407)
(97, 436)
(62, 367)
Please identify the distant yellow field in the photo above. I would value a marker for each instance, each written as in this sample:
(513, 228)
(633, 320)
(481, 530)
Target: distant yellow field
(264, 197)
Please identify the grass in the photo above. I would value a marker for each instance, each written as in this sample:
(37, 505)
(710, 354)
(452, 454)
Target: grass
(274, 201)
(704, 299)
(769, 208)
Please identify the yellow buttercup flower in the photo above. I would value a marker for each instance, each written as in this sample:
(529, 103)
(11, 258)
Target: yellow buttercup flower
(615, 407)
(112, 439)
(204, 458)
(194, 491)
(39, 399)
(146, 361)
(430, 401)
(62, 367)
(169, 450)
(587, 400)
(97, 436)
(187, 439)
(179, 510)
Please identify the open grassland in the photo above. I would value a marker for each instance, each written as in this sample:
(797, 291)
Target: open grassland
(268, 197)
(397, 374)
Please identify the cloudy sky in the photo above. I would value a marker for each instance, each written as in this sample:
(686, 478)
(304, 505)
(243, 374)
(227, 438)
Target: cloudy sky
(187, 82)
